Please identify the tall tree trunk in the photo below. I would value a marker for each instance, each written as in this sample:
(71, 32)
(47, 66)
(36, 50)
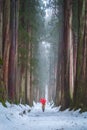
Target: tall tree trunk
(16, 61)
(1, 7)
(67, 54)
(81, 81)
(28, 73)
(31, 76)
(85, 53)
(65, 65)
(6, 40)
(12, 55)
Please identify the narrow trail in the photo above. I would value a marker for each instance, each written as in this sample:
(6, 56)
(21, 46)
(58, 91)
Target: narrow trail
(51, 119)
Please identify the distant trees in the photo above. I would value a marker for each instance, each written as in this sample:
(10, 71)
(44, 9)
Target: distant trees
(30, 21)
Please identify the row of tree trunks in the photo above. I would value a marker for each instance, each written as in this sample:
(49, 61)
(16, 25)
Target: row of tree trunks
(17, 78)
(17, 48)
(9, 46)
(25, 56)
(72, 66)
(80, 94)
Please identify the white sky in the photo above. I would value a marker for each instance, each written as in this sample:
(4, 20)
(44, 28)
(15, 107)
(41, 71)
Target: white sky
(12, 118)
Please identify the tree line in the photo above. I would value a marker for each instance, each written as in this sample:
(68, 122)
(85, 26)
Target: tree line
(21, 29)
(72, 62)
(20, 22)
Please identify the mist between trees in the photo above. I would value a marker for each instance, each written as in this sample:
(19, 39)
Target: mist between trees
(43, 52)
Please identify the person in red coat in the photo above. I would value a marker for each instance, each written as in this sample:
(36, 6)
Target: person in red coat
(43, 102)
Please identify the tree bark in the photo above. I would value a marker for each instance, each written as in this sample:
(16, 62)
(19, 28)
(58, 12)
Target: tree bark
(6, 40)
(65, 63)
(12, 55)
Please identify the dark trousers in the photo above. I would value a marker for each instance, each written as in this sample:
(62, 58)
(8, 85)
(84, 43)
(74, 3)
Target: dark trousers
(43, 107)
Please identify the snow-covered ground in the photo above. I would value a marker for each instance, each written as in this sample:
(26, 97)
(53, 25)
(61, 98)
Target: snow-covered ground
(19, 117)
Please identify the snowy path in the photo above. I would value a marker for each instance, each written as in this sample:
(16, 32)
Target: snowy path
(52, 119)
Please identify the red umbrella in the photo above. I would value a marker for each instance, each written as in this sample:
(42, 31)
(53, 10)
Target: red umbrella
(43, 101)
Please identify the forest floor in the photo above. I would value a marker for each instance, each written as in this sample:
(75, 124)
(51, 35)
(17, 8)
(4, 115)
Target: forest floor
(19, 117)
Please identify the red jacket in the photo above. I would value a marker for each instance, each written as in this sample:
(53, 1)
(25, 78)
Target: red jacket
(43, 101)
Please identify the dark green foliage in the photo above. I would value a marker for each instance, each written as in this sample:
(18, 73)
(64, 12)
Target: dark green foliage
(1, 62)
(2, 93)
(31, 23)
(2, 88)
(75, 16)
